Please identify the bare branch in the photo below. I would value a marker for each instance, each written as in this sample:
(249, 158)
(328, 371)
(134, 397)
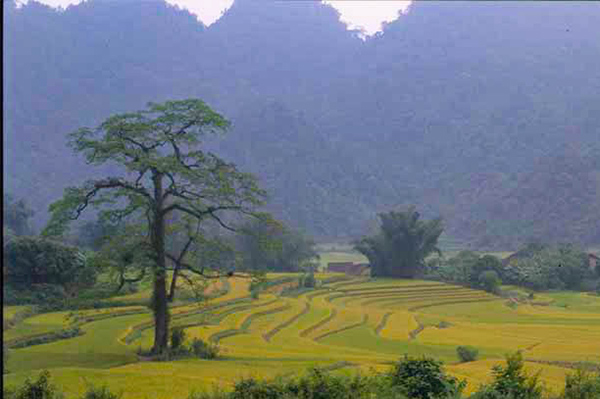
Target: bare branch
(117, 183)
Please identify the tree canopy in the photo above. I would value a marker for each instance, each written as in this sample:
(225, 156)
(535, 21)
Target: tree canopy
(34, 261)
(401, 246)
(164, 172)
(272, 246)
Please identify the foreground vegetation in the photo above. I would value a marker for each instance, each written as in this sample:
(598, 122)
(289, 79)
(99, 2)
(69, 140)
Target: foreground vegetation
(409, 378)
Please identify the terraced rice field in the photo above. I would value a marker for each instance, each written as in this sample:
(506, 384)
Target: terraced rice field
(366, 322)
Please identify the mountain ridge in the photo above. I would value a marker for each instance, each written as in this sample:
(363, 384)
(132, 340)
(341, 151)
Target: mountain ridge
(451, 108)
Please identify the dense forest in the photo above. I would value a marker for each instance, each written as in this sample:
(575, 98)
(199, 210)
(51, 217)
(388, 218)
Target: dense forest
(485, 114)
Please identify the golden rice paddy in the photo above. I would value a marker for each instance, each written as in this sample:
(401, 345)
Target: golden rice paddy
(367, 322)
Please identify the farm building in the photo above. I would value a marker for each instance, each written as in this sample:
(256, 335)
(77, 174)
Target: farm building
(350, 268)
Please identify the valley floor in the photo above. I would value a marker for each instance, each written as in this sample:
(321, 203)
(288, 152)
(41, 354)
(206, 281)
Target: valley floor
(347, 325)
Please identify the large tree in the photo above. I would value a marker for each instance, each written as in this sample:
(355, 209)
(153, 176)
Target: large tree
(165, 171)
(400, 248)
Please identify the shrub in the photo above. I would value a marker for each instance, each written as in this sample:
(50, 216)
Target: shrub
(467, 353)
(444, 324)
(253, 389)
(309, 281)
(582, 385)
(217, 393)
(490, 281)
(103, 392)
(39, 389)
(318, 384)
(177, 338)
(511, 382)
(424, 379)
(203, 350)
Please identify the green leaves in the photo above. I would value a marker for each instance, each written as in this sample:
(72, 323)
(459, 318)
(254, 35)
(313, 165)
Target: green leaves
(400, 248)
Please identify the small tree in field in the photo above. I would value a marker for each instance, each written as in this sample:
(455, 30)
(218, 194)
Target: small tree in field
(165, 172)
(402, 245)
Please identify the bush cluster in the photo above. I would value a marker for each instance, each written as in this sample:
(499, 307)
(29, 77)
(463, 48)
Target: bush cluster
(535, 266)
(178, 348)
(467, 353)
(511, 382)
(410, 378)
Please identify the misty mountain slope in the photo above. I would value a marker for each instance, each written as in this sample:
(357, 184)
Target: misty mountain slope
(451, 108)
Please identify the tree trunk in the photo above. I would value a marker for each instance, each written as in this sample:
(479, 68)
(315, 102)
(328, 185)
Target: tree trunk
(159, 297)
(173, 283)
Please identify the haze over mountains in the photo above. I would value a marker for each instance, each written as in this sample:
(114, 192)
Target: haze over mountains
(484, 113)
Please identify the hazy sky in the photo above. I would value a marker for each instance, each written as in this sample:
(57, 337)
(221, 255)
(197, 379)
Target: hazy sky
(365, 15)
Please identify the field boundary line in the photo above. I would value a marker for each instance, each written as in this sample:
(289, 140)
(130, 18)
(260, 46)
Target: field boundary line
(319, 293)
(391, 300)
(125, 338)
(30, 310)
(400, 287)
(67, 331)
(267, 337)
(368, 299)
(413, 334)
(430, 305)
(589, 366)
(339, 330)
(382, 323)
(319, 324)
(219, 335)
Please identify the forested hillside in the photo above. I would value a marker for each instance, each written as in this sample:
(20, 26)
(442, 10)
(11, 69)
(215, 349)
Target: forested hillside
(484, 113)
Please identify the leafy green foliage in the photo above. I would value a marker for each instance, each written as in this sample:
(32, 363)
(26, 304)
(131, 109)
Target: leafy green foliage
(582, 385)
(466, 267)
(204, 350)
(424, 378)
(164, 173)
(38, 389)
(34, 261)
(102, 392)
(563, 266)
(177, 338)
(269, 245)
(467, 353)
(400, 248)
(317, 384)
(309, 280)
(511, 381)
(490, 281)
